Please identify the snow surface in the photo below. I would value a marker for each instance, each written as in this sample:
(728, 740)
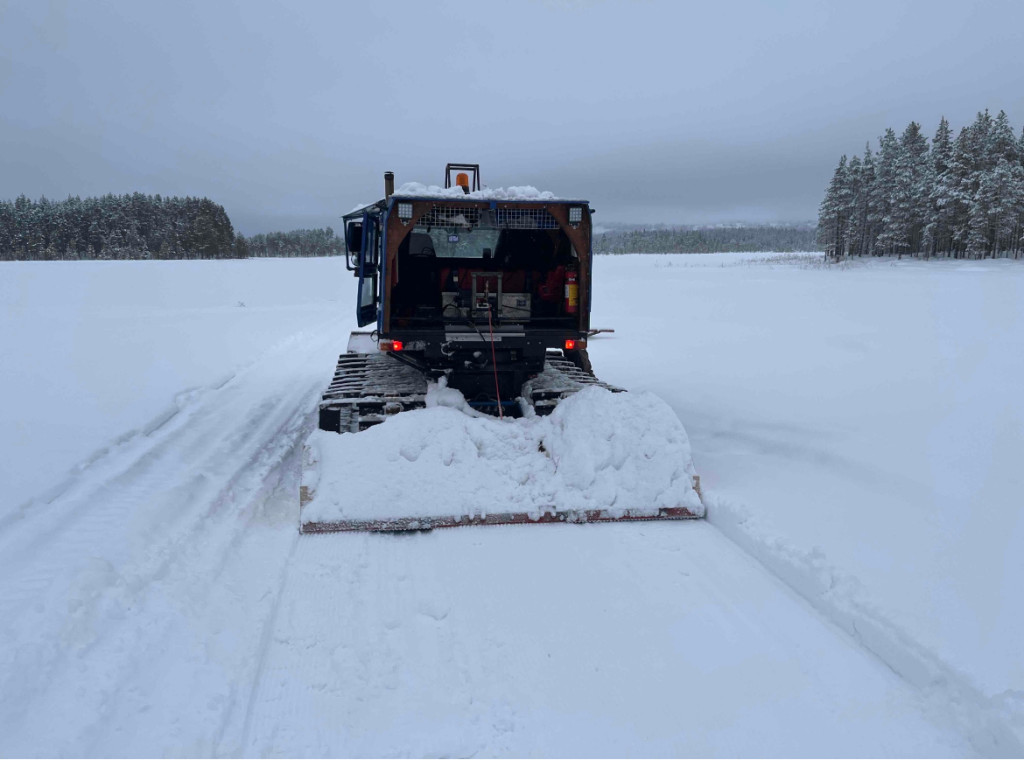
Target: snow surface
(854, 590)
(866, 419)
(92, 353)
(597, 450)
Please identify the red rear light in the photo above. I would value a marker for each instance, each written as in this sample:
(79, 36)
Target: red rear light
(570, 343)
(391, 346)
(396, 346)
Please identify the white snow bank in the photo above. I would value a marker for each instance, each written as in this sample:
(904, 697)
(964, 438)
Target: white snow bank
(513, 193)
(597, 450)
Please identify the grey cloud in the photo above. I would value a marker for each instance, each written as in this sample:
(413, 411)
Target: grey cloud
(288, 113)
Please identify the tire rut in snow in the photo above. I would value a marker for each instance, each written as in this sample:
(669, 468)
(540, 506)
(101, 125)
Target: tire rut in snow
(257, 676)
(107, 462)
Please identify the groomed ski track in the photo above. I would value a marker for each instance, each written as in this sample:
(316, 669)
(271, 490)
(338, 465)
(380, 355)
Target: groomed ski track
(160, 602)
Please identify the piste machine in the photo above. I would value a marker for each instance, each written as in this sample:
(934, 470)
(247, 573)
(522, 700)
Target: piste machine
(489, 291)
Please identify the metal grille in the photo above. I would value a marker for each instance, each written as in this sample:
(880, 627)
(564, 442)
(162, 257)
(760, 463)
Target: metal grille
(525, 218)
(505, 218)
(452, 215)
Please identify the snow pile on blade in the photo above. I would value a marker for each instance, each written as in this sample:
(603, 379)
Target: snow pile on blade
(598, 456)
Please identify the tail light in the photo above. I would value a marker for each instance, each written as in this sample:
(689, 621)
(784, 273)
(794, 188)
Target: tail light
(391, 346)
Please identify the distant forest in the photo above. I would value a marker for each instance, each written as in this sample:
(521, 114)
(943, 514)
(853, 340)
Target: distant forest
(299, 242)
(961, 198)
(148, 227)
(719, 239)
(139, 227)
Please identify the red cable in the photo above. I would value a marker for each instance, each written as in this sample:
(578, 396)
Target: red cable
(494, 363)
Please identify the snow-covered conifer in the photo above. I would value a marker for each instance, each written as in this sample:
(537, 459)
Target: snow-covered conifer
(833, 211)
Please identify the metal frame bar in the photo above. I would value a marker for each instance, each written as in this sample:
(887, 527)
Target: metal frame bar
(474, 168)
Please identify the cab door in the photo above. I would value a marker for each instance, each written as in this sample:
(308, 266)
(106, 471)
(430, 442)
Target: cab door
(369, 267)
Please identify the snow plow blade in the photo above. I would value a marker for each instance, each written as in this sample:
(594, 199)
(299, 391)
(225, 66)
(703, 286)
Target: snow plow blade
(411, 524)
(414, 524)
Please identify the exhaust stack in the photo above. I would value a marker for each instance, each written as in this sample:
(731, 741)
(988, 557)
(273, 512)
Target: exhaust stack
(389, 183)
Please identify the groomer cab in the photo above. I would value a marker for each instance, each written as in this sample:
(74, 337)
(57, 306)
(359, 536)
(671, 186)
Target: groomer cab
(473, 281)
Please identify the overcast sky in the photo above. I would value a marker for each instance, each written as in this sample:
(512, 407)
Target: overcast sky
(289, 113)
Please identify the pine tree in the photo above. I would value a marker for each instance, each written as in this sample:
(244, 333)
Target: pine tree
(906, 194)
(854, 218)
(833, 212)
(977, 186)
(1018, 237)
(871, 213)
(936, 231)
(889, 237)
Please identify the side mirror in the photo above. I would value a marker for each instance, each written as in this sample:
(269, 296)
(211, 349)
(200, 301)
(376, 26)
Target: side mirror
(354, 236)
(353, 244)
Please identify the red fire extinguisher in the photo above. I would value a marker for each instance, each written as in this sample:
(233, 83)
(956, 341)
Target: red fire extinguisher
(572, 293)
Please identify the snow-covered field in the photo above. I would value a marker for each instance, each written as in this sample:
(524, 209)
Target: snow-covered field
(854, 591)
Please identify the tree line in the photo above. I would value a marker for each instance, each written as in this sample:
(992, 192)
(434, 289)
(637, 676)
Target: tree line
(959, 198)
(140, 227)
(720, 239)
(144, 227)
(129, 226)
(298, 242)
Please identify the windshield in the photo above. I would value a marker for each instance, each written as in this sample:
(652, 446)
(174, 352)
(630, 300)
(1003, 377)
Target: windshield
(517, 238)
(454, 242)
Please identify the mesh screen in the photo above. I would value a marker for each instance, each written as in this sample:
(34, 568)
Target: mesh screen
(525, 218)
(508, 218)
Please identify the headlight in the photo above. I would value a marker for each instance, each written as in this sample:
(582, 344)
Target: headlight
(575, 215)
(405, 211)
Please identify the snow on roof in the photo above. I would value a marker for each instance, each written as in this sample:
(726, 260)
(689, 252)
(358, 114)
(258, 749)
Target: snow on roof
(514, 193)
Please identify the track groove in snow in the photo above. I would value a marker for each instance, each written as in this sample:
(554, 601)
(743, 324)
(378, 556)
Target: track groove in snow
(265, 636)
